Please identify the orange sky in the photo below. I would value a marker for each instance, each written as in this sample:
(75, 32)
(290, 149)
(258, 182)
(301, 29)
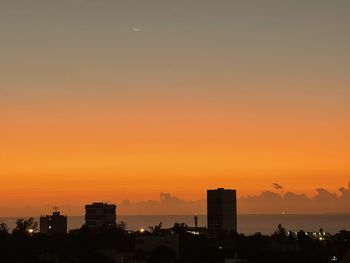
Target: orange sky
(77, 154)
(205, 95)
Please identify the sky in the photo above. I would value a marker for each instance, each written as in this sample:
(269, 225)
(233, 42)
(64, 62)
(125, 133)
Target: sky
(207, 94)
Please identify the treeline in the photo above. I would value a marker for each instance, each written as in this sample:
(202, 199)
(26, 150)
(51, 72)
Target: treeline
(24, 244)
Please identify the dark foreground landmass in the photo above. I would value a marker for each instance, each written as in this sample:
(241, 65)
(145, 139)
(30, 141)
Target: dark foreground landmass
(177, 244)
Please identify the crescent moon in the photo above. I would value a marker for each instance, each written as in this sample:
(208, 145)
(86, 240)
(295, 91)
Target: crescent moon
(136, 29)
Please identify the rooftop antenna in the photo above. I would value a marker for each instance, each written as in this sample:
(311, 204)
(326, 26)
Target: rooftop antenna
(55, 209)
(196, 221)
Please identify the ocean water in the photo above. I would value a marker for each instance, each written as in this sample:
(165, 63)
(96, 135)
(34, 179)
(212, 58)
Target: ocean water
(247, 224)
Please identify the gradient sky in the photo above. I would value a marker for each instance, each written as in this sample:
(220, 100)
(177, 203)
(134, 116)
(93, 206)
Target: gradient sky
(235, 94)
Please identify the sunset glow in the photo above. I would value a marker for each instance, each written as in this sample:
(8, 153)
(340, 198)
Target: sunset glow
(92, 110)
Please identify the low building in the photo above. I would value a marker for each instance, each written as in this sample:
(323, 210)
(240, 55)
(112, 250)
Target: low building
(319, 235)
(98, 215)
(197, 231)
(53, 224)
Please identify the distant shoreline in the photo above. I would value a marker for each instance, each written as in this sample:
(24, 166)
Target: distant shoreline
(247, 223)
(153, 215)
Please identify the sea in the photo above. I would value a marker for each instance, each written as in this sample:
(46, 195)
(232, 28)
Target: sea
(247, 224)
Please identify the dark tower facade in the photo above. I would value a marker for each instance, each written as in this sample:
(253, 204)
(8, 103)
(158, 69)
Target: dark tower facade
(53, 224)
(98, 215)
(221, 211)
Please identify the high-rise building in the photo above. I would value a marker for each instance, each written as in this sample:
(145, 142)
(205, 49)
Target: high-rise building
(99, 215)
(221, 211)
(53, 224)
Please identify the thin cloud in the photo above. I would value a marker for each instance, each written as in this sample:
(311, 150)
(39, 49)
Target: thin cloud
(267, 202)
(277, 186)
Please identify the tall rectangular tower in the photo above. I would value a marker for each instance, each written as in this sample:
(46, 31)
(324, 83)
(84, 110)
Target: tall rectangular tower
(99, 215)
(221, 211)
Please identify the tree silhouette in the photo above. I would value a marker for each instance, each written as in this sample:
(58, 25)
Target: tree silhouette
(281, 231)
(156, 229)
(121, 226)
(280, 234)
(25, 226)
(4, 228)
(4, 231)
(179, 228)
